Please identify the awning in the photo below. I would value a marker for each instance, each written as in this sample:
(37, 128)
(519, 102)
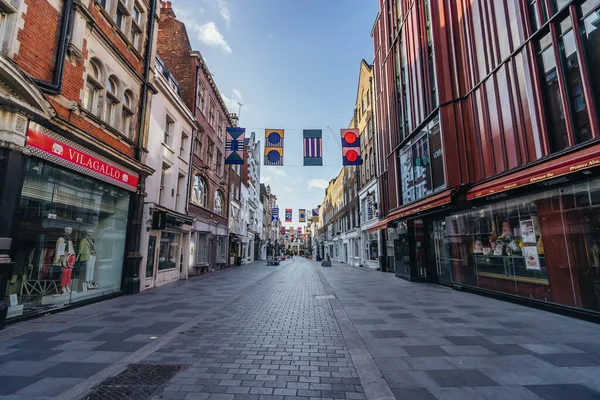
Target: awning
(573, 162)
(379, 226)
(437, 200)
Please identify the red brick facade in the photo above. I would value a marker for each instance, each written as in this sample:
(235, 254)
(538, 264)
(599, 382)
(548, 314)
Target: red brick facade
(36, 56)
(201, 95)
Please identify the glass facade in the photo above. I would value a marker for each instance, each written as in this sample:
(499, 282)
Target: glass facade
(544, 246)
(422, 164)
(70, 244)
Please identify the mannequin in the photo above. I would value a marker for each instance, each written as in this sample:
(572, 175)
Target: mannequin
(87, 257)
(65, 257)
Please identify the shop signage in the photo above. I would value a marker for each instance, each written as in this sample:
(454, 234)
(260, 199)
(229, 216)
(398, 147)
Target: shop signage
(438, 200)
(77, 158)
(551, 170)
(159, 220)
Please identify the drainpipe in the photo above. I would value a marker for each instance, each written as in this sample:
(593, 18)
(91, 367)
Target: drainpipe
(144, 97)
(55, 87)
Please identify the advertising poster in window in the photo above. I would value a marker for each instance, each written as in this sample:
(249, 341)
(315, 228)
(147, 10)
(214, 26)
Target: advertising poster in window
(528, 231)
(532, 259)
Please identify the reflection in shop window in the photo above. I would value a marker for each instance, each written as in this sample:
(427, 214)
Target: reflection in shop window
(421, 165)
(202, 249)
(168, 251)
(70, 244)
(590, 31)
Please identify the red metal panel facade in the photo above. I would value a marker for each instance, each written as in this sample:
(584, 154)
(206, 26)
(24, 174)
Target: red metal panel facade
(482, 62)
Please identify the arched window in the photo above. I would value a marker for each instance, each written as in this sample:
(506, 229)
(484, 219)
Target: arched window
(127, 114)
(218, 203)
(110, 102)
(199, 192)
(93, 86)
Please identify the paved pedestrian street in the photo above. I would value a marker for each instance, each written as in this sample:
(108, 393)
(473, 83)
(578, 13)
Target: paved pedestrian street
(301, 331)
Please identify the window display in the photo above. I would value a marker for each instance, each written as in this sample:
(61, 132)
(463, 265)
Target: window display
(542, 246)
(70, 244)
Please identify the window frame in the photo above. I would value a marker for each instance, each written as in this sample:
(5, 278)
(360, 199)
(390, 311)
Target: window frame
(168, 131)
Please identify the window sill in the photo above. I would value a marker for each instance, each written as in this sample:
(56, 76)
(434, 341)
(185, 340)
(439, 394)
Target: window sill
(183, 159)
(103, 124)
(166, 146)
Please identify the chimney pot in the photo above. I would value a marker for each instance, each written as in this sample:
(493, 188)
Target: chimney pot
(168, 4)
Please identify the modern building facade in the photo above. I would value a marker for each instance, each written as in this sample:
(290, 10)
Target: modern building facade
(209, 194)
(72, 150)
(487, 125)
(166, 226)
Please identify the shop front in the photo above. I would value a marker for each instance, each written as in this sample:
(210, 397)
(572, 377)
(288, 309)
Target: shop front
(69, 244)
(168, 240)
(532, 235)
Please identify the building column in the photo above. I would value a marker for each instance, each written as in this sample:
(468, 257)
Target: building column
(12, 171)
(131, 281)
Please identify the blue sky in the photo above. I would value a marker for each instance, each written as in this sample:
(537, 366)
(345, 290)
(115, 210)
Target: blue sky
(293, 64)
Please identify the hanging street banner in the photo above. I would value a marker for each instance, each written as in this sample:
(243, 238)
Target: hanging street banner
(275, 214)
(302, 215)
(315, 215)
(288, 215)
(234, 146)
(274, 147)
(313, 147)
(351, 147)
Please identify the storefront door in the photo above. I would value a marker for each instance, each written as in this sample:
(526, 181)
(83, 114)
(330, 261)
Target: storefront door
(439, 251)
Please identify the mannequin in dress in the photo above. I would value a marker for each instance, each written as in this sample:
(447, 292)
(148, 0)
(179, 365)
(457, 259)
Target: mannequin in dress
(64, 256)
(87, 257)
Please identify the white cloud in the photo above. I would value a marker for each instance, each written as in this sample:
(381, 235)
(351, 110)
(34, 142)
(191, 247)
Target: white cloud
(279, 172)
(232, 102)
(224, 11)
(209, 35)
(318, 184)
(269, 36)
(266, 178)
(288, 189)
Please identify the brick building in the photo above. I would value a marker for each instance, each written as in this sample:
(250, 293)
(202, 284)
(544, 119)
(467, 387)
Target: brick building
(487, 124)
(210, 187)
(368, 190)
(74, 94)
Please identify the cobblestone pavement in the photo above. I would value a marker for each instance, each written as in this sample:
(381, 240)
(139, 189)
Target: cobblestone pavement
(302, 331)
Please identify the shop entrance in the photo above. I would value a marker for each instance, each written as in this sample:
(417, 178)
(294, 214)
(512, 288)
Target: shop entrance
(438, 254)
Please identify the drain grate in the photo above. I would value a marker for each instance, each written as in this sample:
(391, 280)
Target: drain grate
(137, 382)
(324, 297)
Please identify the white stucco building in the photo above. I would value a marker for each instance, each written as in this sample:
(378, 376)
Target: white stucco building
(165, 241)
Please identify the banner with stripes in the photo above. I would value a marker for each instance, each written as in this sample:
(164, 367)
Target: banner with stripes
(313, 147)
(275, 214)
(234, 146)
(288, 215)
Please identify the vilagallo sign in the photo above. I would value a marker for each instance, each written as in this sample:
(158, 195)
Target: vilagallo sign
(38, 139)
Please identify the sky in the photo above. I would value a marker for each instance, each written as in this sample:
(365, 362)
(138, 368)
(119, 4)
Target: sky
(294, 65)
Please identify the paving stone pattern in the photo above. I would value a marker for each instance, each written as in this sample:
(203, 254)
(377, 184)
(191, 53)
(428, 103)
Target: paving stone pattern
(45, 357)
(432, 342)
(263, 333)
(280, 341)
